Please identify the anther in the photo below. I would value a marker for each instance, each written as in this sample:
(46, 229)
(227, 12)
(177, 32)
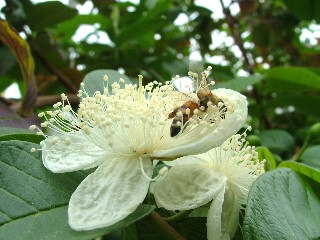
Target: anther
(63, 96)
(44, 124)
(67, 141)
(32, 127)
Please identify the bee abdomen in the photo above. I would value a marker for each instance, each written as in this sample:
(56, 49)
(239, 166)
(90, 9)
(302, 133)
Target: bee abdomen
(175, 127)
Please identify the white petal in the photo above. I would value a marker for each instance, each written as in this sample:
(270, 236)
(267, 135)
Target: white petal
(70, 152)
(203, 142)
(230, 215)
(191, 159)
(109, 194)
(187, 186)
(214, 216)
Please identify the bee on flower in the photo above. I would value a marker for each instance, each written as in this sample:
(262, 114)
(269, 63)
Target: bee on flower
(120, 132)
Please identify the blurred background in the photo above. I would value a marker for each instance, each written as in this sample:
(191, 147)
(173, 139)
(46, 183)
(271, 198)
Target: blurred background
(266, 49)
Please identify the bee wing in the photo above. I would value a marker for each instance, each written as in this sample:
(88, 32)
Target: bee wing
(180, 98)
(196, 66)
(199, 74)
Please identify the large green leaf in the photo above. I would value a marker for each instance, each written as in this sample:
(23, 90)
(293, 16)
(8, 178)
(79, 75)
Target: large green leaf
(282, 205)
(47, 14)
(291, 79)
(34, 200)
(277, 140)
(239, 84)
(21, 51)
(304, 169)
(94, 80)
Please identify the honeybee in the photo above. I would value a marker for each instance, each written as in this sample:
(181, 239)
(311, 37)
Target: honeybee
(182, 114)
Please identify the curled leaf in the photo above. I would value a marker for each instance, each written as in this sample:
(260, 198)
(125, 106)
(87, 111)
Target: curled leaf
(22, 53)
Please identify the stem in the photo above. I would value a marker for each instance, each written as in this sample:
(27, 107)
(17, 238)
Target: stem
(302, 149)
(177, 217)
(165, 227)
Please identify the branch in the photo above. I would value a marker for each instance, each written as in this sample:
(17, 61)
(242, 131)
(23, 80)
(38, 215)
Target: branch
(234, 27)
(233, 24)
(52, 99)
(165, 227)
(47, 100)
(62, 78)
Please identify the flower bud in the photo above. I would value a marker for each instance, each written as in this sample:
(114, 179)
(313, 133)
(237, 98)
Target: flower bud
(315, 129)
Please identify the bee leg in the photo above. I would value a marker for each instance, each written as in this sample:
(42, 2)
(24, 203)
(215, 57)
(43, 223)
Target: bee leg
(203, 103)
(217, 101)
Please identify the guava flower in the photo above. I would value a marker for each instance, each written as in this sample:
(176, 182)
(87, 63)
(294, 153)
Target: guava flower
(220, 177)
(120, 132)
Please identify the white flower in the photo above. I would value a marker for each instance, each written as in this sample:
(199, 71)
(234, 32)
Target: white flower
(120, 133)
(222, 175)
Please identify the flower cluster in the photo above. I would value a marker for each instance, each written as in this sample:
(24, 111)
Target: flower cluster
(123, 131)
(222, 176)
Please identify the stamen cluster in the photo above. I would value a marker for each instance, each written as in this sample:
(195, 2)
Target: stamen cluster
(129, 119)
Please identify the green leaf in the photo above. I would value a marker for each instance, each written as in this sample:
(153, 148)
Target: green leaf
(276, 140)
(304, 169)
(305, 10)
(53, 224)
(9, 131)
(264, 153)
(148, 23)
(7, 134)
(34, 138)
(21, 50)
(34, 200)
(291, 78)
(239, 84)
(47, 14)
(282, 205)
(311, 156)
(7, 62)
(130, 233)
(94, 80)
(68, 28)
